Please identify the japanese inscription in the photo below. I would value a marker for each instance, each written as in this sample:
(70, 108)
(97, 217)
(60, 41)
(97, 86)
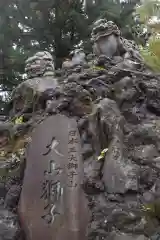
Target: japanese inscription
(51, 199)
(76, 214)
(51, 186)
(41, 207)
(72, 165)
(52, 146)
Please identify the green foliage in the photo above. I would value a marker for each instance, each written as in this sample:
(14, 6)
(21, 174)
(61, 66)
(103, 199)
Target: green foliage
(102, 154)
(149, 9)
(121, 12)
(151, 53)
(27, 26)
(152, 209)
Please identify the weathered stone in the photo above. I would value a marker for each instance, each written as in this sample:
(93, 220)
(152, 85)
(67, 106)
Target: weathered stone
(123, 236)
(107, 40)
(156, 162)
(6, 133)
(125, 90)
(145, 153)
(12, 197)
(67, 64)
(12, 181)
(40, 71)
(37, 85)
(147, 177)
(155, 236)
(3, 118)
(37, 65)
(119, 174)
(9, 228)
(122, 184)
(78, 57)
(62, 214)
(75, 100)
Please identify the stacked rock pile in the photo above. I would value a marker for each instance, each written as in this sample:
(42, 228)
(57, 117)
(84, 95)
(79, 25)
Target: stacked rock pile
(115, 100)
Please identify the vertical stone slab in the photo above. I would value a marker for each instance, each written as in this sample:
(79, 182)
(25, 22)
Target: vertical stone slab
(52, 203)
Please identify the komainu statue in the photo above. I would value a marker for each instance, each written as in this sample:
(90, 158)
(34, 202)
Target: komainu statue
(40, 73)
(107, 40)
(115, 105)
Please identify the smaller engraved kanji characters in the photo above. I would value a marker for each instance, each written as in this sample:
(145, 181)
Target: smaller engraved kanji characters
(72, 150)
(72, 133)
(71, 184)
(72, 158)
(73, 140)
(72, 165)
(71, 176)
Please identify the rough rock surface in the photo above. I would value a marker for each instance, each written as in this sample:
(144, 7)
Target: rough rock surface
(40, 72)
(9, 228)
(115, 100)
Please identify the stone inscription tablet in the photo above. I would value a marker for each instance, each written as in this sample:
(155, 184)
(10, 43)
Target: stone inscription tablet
(52, 203)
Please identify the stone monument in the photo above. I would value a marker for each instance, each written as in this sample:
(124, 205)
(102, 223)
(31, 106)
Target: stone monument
(52, 203)
(115, 105)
